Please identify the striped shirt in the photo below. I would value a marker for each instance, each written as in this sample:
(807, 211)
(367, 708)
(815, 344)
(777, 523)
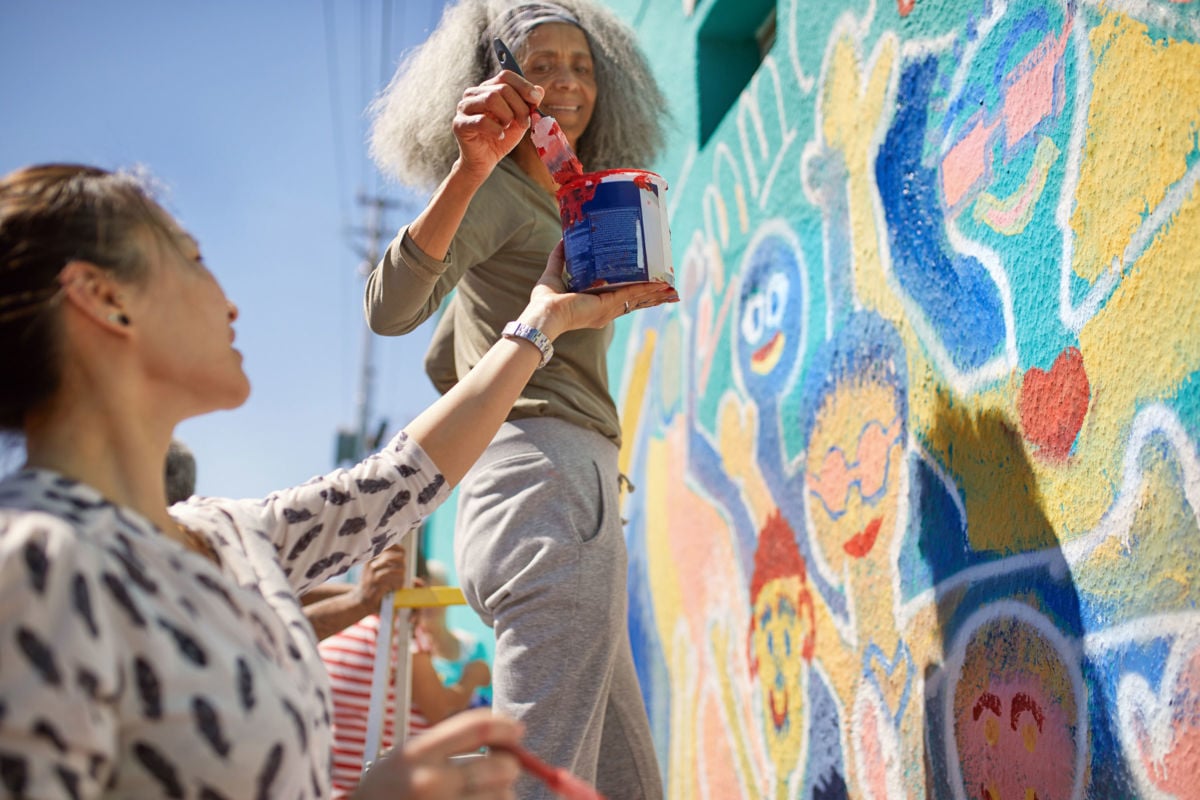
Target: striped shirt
(349, 656)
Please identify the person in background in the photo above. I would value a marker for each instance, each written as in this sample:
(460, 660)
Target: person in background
(539, 547)
(349, 656)
(181, 472)
(147, 652)
(453, 652)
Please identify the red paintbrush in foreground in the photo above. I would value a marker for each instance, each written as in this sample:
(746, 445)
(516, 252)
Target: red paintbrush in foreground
(562, 782)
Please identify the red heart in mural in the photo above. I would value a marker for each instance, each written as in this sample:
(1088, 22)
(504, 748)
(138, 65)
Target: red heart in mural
(1053, 404)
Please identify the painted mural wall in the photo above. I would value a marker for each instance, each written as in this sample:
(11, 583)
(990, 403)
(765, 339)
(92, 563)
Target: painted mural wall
(917, 457)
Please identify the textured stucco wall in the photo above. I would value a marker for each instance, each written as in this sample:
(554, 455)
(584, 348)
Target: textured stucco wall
(916, 456)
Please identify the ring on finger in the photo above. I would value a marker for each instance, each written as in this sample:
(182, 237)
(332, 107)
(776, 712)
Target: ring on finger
(626, 307)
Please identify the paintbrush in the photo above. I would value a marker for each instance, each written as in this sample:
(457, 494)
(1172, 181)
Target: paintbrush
(559, 780)
(549, 139)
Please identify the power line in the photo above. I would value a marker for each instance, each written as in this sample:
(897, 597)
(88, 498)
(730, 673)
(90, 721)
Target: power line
(335, 110)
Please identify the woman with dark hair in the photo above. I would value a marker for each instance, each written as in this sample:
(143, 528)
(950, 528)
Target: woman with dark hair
(147, 652)
(539, 548)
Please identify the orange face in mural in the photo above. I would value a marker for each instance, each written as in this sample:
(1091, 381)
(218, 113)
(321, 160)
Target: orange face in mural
(782, 639)
(855, 454)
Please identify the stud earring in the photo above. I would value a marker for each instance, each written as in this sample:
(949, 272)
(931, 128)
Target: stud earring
(119, 318)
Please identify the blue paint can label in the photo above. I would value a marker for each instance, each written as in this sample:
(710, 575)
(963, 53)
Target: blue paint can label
(615, 230)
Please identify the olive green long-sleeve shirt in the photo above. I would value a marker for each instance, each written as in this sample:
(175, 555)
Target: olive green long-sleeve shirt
(497, 256)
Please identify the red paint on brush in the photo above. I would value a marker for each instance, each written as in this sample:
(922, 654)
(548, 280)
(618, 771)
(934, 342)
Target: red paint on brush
(553, 148)
(559, 780)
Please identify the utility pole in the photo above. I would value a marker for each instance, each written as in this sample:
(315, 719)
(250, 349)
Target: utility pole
(352, 445)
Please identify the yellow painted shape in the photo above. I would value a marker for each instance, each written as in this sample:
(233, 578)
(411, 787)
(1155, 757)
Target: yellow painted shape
(1142, 123)
(733, 703)
(737, 444)
(1148, 554)
(1139, 348)
(428, 597)
(1010, 215)
(634, 399)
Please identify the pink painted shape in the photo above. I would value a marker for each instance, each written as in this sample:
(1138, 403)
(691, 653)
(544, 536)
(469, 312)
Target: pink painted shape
(1176, 773)
(868, 730)
(967, 163)
(1030, 96)
(1029, 193)
(1019, 760)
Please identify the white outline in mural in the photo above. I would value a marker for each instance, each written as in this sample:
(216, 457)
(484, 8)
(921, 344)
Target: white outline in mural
(748, 107)
(1068, 652)
(1154, 420)
(1135, 697)
(1152, 12)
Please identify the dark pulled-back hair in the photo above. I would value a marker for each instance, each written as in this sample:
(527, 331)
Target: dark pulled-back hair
(52, 214)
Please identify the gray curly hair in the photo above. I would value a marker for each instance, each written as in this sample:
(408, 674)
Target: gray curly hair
(411, 136)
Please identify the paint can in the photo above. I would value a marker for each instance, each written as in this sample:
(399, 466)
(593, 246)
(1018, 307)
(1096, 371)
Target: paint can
(615, 230)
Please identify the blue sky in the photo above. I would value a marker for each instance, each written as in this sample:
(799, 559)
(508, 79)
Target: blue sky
(229, 105)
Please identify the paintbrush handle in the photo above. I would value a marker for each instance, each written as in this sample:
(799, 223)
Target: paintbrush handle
(562, 782)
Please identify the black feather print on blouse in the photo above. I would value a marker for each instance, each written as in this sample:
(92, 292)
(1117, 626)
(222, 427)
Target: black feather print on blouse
(14, 774)
(149, 688)
(208, 722)
(38, 565)
(396, 504)
(325, 563)
(81, 599)
(136, 571)
(88, 681)
(114, 586)
(304, 541)
(43, 729)
(269, 771)
(429, 492)
(336, 497)
(216, 588)
(373, 485)
(189, 648)
(245, 684)
(160, 768)
(352, 526)
(293, 515)
(40, 656)
(209, 793)
(298, 721)
(69, 779)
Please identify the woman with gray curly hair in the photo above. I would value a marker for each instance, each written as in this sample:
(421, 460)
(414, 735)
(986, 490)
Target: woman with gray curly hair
(539, 547)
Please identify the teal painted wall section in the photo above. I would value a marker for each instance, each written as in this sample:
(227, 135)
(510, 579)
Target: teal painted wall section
(916, 456)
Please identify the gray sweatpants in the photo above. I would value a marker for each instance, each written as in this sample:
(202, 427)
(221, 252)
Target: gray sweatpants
(541, 557)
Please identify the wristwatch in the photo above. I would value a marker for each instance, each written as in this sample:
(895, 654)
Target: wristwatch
(519, 330)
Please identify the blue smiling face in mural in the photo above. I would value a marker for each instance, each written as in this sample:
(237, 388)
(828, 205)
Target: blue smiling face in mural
(770, 313)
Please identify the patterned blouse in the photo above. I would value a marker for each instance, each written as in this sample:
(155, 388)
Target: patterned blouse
(133, 667)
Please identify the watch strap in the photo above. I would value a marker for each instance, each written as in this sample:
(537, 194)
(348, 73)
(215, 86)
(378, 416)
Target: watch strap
(519, 330)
